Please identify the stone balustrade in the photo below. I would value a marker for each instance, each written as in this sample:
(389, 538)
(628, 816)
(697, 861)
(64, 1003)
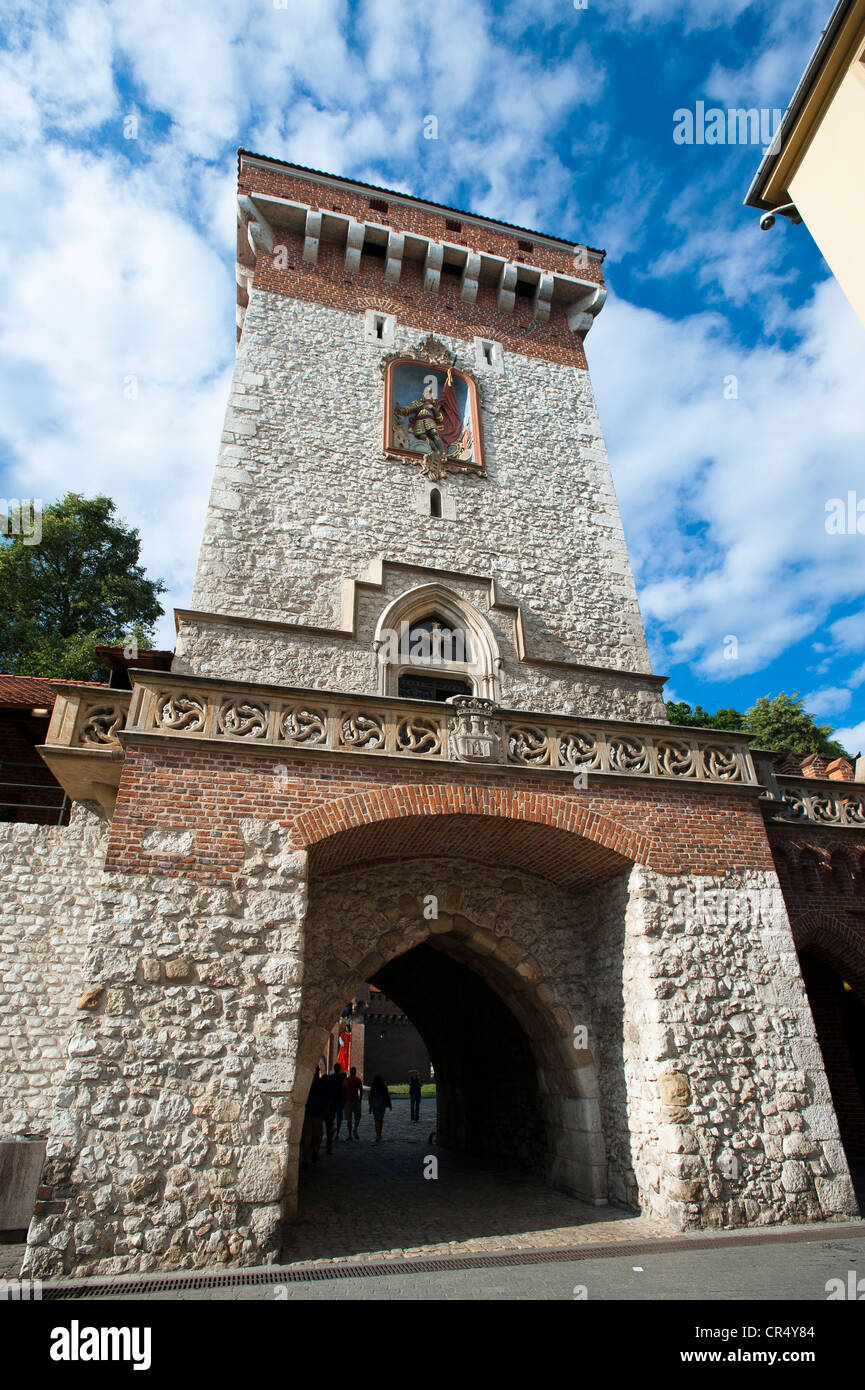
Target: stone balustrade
(87, 727)
(85, 718)
(464, 730)
(821, 802)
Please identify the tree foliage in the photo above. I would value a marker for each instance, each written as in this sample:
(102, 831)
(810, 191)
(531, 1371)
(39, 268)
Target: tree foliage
(80, 587)
(780, 721)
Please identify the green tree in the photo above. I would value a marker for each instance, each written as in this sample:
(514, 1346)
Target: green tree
(779, 721)
(783, 722)
(681, 713)
(80, 587)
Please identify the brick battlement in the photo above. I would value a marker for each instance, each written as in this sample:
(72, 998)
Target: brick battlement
(337, 243)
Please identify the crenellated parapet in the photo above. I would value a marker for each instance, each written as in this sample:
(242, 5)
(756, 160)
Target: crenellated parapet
(295, 221)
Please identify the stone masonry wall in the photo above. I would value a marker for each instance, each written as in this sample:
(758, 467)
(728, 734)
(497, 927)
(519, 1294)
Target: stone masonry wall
(169, 1142)
(730, 1117)
(50, 878)
(303, 498)
(175, 1139)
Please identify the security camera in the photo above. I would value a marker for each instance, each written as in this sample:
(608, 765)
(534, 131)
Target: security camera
(768, 218)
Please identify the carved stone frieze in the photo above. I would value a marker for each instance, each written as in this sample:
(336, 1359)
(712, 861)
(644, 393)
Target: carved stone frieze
(465, 729)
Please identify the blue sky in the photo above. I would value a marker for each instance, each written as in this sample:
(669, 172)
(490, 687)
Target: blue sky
(119, 265)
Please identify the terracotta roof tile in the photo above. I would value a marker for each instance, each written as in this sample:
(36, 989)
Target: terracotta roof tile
(31, 692)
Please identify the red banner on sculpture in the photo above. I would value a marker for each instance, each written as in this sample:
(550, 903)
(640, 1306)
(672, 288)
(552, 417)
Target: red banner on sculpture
(452, 426)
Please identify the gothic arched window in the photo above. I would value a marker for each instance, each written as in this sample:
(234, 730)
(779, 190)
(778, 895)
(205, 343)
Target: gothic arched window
(431, 644)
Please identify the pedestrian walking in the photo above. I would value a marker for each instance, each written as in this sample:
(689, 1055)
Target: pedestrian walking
(379, 1101)
(414, 1095)
(352, 1090)
(313, 1118)
(333, 1114)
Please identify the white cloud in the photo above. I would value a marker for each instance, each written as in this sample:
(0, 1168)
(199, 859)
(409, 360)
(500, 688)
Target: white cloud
(127, 273)
(60, 75)
(115, 341)
(724, 499)
(852, 737)
(829, 700)
(849, 632)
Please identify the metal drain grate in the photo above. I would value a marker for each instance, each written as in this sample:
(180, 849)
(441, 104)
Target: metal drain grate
(434, 1264)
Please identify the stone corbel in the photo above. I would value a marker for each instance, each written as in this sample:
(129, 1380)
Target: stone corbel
(311, 240)
(506, 295)
(393, 264)
(354, 246)
(583, 311)
(469, 282)
(543, 297)
(243, 274)
(259, 232)
(432, 268)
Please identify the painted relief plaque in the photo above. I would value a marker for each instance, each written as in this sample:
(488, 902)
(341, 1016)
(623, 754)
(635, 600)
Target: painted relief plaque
(432, 416)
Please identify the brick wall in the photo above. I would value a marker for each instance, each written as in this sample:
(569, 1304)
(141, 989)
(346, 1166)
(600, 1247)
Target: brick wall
(822, 876)
(179, 811)
(327, 283)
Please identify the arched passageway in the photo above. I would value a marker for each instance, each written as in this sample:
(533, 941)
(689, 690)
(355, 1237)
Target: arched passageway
(839, 1017)
(513, 979)
(499, 1151)
(488, 1099)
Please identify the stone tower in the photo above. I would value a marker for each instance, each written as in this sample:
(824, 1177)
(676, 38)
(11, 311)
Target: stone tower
(411, 737)
(317, 522)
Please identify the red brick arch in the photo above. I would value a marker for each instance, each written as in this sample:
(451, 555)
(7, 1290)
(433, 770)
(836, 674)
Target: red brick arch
(615, 846)
(835, 942)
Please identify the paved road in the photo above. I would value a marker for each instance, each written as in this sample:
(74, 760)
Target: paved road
(778, 1272)
(367, 1198)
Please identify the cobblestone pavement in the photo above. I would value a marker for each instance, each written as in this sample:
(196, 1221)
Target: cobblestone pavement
(783, 1273)
(11, 1255)
(367, 1198)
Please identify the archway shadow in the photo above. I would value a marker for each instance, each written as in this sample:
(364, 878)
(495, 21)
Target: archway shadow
(520, 1152)
(839, 1018)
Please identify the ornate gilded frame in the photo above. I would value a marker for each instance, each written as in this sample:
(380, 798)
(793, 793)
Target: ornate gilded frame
(430, 352)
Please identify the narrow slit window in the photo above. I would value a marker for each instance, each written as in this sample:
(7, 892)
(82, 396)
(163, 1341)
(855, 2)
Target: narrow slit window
(379, 326)
(488, 354)
(435, 502)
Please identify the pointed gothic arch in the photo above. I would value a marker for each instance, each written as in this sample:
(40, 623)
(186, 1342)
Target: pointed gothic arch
(482, 661)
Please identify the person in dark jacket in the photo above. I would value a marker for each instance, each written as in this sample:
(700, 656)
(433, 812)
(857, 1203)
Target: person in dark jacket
(352, 1091)
(414, 1093)
(335, 1083)
(317, 1102)
(379, 1101)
